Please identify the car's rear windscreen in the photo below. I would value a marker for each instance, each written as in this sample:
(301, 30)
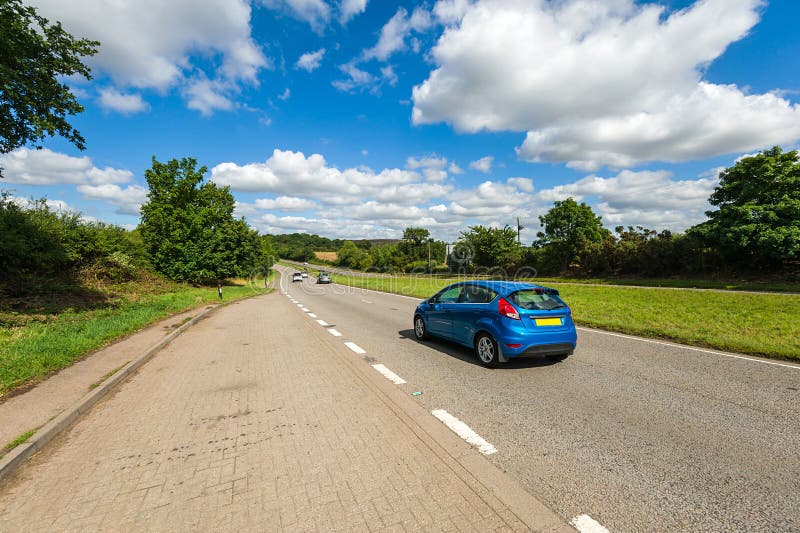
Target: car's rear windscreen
(537, 300)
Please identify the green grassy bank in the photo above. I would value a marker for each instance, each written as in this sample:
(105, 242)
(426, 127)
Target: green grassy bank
(53, 329)
(759, 324)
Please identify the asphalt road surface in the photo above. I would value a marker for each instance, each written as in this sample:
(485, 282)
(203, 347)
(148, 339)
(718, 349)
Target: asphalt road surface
(639, 435)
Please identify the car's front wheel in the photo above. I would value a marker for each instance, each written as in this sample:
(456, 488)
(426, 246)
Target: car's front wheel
(420, 331)
(487, 350)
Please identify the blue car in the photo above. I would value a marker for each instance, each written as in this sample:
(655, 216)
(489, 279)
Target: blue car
(500, 320)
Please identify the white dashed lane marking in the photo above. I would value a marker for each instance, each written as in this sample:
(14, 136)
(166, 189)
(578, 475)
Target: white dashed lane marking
(464, 431)
(355, 347)
(586, 524)
(366, 301)
(334, 332)
(322, 323)
(305, 309)
(312, 315)
(391, 376)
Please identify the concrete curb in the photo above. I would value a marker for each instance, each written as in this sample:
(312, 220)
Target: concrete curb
(13, 459)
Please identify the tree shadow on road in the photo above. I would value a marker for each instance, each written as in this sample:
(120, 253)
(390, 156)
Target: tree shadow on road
(465, 354)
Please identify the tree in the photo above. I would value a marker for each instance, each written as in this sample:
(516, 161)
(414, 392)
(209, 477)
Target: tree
(490, 247)
(419, 250)
(189, 229)
(568, 228)
(351, 256)
(758, 220)
(34, 54)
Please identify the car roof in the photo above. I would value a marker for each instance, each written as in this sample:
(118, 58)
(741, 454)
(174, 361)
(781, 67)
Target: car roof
(501, 287)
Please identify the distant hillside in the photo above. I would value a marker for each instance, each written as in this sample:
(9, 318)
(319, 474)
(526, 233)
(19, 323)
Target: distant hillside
(303, 246)
(383, 242)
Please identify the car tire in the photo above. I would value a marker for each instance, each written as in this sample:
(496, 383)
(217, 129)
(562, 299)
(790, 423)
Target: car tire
(487, 351)
(420, 331)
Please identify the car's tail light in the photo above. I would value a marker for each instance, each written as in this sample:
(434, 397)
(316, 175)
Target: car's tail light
(506, 309)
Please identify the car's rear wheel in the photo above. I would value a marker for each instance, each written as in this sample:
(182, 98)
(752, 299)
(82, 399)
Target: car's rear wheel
(420, 331)
(487, 350)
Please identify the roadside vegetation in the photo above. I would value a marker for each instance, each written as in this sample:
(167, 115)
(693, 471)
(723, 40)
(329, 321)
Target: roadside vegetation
(43, 342)
(69, 286)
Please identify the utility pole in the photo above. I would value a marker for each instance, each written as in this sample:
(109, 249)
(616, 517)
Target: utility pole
(429, 256)
(519, 229)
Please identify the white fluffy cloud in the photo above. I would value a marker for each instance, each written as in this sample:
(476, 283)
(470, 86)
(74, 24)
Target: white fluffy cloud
(648, 198)
(484, 164)
(599, 83)
(152, 44)
(126, 104)
(344, 202)
(316, 12)
(310, 61)
(451, 11)
(350, 8)
(431, 161)
(292, 173)
(359, 79)
(207, 96)
(45, 167)
(285, 203)
(395, 32)
(128, 201)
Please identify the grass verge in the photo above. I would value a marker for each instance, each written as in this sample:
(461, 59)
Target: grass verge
(22, 439)
(32, 348)
(759, 324)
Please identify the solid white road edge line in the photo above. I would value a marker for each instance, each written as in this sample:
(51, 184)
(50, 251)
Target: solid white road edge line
(322, 323)
(334, 332)
(388, 374)
(633, 337)
(464, 431)
(586, 524)
(355, 347)
(381, 292)
(684, 347)
(312, 315)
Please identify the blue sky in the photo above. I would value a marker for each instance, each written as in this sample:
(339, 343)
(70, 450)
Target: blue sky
(358, 118)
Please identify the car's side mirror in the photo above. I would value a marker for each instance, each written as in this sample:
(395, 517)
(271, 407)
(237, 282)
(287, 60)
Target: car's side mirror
(432, 301)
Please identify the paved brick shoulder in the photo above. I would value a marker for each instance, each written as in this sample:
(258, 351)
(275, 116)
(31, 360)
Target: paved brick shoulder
(251, 420)
(35, 407)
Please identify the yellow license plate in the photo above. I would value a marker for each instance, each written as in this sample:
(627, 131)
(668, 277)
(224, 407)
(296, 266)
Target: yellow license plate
(548, 321)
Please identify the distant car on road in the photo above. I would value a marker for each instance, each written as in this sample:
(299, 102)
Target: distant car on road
(297, 276)
(500, 320)
(324, 277)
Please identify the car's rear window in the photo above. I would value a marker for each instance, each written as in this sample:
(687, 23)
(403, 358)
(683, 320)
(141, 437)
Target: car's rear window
(533, 299)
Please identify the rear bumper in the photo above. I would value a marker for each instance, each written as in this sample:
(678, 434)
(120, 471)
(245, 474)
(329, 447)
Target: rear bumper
(547, 349)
